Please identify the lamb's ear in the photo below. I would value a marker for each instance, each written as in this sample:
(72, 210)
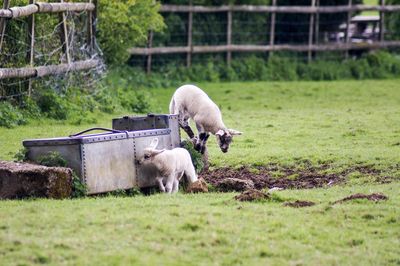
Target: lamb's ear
(234, 132)
(154, 143)
(155, 152)
(220, 132)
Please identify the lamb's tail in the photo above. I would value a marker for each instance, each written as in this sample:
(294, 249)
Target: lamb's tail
(172, 106)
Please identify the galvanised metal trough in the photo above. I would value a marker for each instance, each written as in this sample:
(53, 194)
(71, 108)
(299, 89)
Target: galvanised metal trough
(107, 161)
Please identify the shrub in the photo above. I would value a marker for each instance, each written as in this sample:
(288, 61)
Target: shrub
(124, 24)
(197, 158)
(10, 116)
(79, 189)
(21, 155)
(53, 105)
(280, 66)
(52, 159)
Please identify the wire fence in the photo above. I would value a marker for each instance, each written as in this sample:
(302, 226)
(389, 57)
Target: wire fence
(50, 45)
(204, 33)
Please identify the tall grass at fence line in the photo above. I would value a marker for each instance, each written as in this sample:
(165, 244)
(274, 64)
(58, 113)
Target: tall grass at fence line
(281, 66)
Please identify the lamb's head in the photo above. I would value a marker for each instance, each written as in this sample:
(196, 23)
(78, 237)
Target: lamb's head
(224, 138)
(150, 153)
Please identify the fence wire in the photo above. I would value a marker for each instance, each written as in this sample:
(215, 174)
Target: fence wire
(49, 49)
(210, 29)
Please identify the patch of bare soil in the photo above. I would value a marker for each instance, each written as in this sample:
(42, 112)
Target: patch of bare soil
(234, 184)
(252, 195)
(371, 197)
(263, 177)
(299, 204)
(274, 176)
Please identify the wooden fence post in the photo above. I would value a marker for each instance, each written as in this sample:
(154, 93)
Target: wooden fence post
(149, 45)
(347, 35)
(382, 22)
(64, 35)
(190, 40)
(91, 26)
(3, 22)
(31, 39)
(310, 33)
(316, 41)
(272, 29)
(229, 37)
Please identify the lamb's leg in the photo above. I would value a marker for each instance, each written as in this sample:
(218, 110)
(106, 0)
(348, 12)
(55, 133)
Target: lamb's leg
(184, 124)
(170, 182)
(201, 143)
(204, 141)
(160, 184)
(191, 174)
(175, 187)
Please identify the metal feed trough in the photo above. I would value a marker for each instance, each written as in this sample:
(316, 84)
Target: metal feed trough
(108, 161)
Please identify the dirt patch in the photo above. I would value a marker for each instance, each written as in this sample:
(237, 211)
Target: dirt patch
(299, 204)
(252, 195)
(200, 186)
(371, 197)
(301, 176)
(265, 177)
(234, 184)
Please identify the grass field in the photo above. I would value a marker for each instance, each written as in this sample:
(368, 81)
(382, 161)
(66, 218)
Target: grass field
(208, 229)
(341, 124)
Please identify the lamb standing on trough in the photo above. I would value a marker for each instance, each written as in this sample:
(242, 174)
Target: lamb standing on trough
(170, 165)
(190, 102)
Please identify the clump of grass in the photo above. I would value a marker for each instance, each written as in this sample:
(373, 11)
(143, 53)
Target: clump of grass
(52, 159)
(197, 158)
(21, 155)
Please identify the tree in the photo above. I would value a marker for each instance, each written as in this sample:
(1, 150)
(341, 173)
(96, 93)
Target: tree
(124, 24)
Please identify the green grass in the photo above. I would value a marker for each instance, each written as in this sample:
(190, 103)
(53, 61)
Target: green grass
(370, 3)
(346, 122)
(203, 229)
(342, 123)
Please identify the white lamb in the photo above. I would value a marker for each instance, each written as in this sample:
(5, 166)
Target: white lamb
(170, 165)
(190, 102)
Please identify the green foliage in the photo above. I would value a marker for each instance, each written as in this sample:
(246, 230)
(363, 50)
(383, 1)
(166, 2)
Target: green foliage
(197, 158)
(21, 155)
(132, 192)
(77, 106)
(136, 101)
(392, 21)
(279, 67)
(79, 188)
(10, 116)
(53, 105)
(52, 159)
(124, 24)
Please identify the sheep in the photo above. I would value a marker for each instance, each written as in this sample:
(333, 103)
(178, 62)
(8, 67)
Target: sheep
(190, 102)
(170, 165)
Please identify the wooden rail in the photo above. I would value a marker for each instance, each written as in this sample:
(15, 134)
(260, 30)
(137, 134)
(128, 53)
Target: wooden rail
(263, 48)
(23, 11)
(42, 71)
(314, 11)
(279, 9)
(31, 10)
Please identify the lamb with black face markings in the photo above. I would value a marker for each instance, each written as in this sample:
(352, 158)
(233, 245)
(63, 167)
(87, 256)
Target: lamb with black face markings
(190, 102)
